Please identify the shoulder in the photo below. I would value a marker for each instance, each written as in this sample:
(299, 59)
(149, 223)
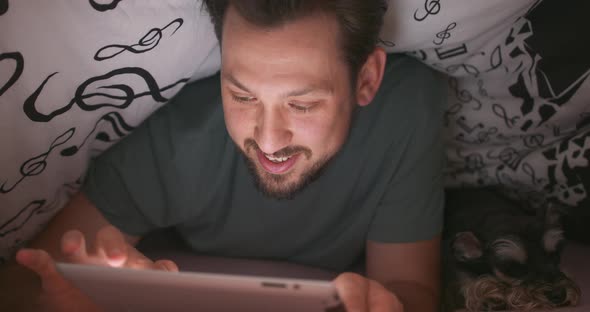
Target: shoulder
(197, 107)
(410, 101)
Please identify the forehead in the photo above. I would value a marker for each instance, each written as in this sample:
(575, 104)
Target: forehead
(307, 47)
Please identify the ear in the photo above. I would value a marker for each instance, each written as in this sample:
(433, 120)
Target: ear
(466, 247)
(370, 76)
(553, 214)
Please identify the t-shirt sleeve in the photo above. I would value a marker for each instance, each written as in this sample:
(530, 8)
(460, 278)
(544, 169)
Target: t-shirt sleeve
(411, 208)
(139, 184)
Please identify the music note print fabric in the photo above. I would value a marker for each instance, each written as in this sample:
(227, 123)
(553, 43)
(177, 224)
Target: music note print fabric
(75, 78)
(519, 90)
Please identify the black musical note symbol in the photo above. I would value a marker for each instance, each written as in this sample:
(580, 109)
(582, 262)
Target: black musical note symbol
(37, 164)
(20, 63)
(86, 91)
(509, 156)
(432, 7)
(148, 42)
(21, 218)
(448, 52)
(495, 59)
(3, 6)
(444, 34)
(118, 125)
(528, 170)
(484, 136)
(104, 7)
(500, 111)
(462, 123)
(533, 141)
(464, 95)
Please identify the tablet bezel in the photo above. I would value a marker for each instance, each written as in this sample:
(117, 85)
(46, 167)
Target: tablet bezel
(123, 289)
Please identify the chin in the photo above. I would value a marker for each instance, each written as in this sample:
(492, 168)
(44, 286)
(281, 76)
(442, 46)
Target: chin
(280, 187)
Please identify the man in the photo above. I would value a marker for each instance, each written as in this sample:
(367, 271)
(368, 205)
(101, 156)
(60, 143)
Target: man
(334, 177)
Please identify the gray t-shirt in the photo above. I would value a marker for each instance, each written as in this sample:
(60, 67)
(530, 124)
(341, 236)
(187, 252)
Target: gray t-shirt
(180, 168)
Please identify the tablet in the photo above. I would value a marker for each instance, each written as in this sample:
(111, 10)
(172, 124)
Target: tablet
(120, 289)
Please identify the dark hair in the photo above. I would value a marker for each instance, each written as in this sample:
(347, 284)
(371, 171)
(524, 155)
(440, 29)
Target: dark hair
(360, 20)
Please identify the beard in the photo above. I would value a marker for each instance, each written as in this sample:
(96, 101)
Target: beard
(278, 186)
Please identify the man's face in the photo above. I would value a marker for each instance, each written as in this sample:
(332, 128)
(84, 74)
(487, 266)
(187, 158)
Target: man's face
(287, 98)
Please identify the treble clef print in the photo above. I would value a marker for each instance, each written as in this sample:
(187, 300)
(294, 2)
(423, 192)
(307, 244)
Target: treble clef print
(445, 34)
(148, 42)
(431, 7)
(21, 218)
(500, 111)
(116, 95)
(528, 170)
(37, 164)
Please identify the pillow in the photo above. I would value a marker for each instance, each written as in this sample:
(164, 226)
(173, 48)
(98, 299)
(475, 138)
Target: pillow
(519, 93)
(75, 78)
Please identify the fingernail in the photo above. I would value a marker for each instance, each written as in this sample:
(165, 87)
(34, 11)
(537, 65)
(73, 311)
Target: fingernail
(115, 253)
(70, 241)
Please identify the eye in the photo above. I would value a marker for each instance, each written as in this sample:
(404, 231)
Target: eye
(243, 98)
(303, 108)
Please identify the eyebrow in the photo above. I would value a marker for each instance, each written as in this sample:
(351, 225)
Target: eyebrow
(323, 88)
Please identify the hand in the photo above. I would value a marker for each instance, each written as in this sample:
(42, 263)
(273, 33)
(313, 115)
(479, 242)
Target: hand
(360, 294)
(56, 293)
(110, 249)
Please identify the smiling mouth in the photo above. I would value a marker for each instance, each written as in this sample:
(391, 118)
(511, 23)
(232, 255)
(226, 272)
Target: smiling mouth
(277, 160)
(276, 165)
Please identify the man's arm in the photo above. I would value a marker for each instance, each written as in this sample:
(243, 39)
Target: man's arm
(410, 270)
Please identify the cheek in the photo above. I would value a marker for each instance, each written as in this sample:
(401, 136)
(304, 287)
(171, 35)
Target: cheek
(324, 133)
(237, 122)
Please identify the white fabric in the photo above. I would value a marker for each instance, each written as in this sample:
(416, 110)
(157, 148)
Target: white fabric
(43, 157)
(519, 95)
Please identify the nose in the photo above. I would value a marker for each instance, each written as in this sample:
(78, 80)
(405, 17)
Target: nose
(271, 131)
(557, 296)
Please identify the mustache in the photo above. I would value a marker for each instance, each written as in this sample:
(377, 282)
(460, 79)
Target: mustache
(284, 152)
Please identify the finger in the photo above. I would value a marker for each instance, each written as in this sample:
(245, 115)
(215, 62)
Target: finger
(111, 245)
(140, 263)
(166, 265)
(380, 299)
(41, 263)
(73, 246)
(352, 289)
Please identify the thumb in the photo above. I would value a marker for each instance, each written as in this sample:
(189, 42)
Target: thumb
(40, 262)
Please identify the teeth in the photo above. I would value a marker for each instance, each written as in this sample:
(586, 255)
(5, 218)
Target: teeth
(276, 159)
